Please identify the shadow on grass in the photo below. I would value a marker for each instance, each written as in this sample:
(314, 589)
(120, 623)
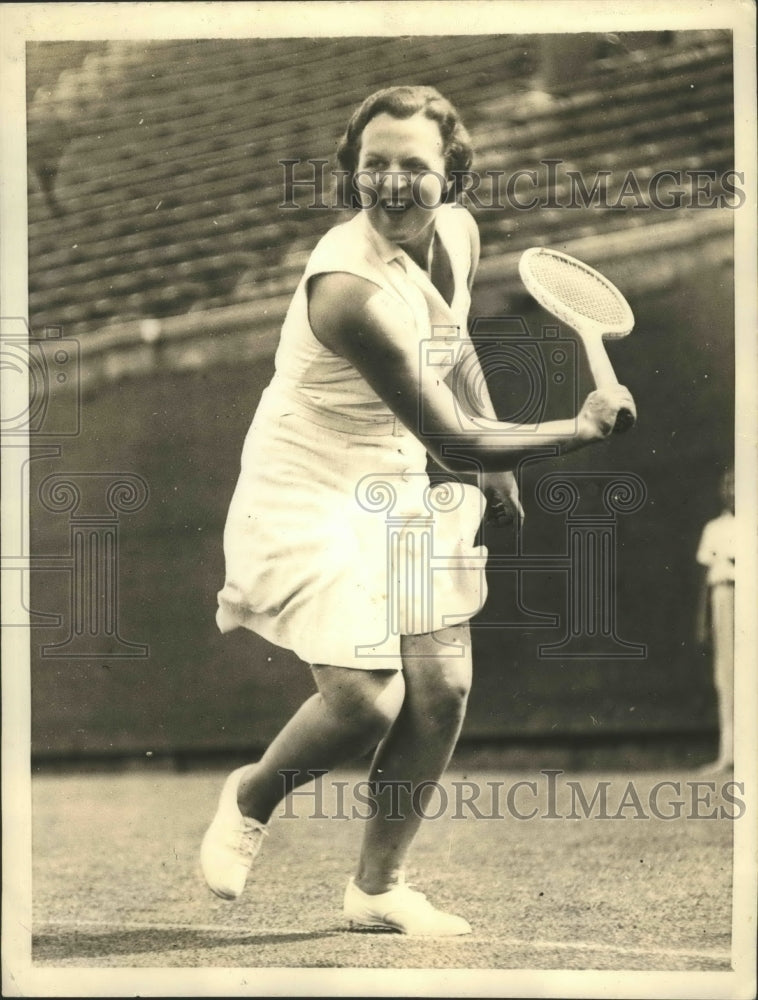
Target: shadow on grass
(51, 946)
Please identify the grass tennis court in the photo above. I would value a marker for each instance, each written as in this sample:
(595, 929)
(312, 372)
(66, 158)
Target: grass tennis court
(116, 881)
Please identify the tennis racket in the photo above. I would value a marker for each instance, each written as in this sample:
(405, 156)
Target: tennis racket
(581, 297)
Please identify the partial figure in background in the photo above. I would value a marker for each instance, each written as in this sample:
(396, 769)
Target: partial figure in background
(715, 619)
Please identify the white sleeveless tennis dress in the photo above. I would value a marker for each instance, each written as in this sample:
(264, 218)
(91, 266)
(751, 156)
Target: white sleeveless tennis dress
(335, 544)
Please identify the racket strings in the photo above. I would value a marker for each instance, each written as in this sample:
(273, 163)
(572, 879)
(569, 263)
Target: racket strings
(579, 290)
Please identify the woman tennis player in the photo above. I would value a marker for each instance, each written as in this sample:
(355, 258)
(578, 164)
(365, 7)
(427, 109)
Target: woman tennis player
(355, 407)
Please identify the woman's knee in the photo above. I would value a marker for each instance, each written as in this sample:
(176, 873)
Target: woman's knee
(450, 689)
(367, 701)
(438, 668)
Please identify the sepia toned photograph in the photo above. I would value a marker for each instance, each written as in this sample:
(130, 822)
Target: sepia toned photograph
(379, 499)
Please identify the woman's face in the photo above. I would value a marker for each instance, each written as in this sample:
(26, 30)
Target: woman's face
(401, 177)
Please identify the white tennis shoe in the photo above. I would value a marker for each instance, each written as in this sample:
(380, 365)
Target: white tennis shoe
(400, 909)
(231, 843)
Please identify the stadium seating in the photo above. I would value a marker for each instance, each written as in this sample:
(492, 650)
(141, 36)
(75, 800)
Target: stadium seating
(155, 181)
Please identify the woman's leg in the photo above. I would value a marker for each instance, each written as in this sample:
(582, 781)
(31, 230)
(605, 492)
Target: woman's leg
(350, 713)
(416, 749)
(722, 598)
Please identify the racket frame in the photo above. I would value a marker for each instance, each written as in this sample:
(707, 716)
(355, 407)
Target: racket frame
(591, 332)
(577, 321)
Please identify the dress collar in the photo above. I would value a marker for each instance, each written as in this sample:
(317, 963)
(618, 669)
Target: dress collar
(386, 250)
(389, 252)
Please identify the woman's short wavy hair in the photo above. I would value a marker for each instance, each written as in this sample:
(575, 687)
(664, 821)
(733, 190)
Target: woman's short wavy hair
(403, 102)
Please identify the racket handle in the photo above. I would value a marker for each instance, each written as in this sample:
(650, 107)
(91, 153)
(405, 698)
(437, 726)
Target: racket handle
(604, 377)
(624, 420)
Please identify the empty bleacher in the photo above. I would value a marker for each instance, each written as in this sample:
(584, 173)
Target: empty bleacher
(156, 238)
(155, 181)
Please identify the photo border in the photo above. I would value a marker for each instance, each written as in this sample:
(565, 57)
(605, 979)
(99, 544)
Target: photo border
(20, 23)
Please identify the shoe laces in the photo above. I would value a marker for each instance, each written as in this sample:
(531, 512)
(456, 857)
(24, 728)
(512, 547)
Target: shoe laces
(251, 836)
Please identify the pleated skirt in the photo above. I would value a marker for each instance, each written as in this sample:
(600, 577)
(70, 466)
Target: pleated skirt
(335, 543)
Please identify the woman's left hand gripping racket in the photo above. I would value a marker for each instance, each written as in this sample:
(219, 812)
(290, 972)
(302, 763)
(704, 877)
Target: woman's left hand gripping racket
(587, 302)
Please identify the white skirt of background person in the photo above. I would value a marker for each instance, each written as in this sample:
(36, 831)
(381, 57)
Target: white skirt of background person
(334, 544)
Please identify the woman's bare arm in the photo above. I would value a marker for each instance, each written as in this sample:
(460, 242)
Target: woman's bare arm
(374, 331)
